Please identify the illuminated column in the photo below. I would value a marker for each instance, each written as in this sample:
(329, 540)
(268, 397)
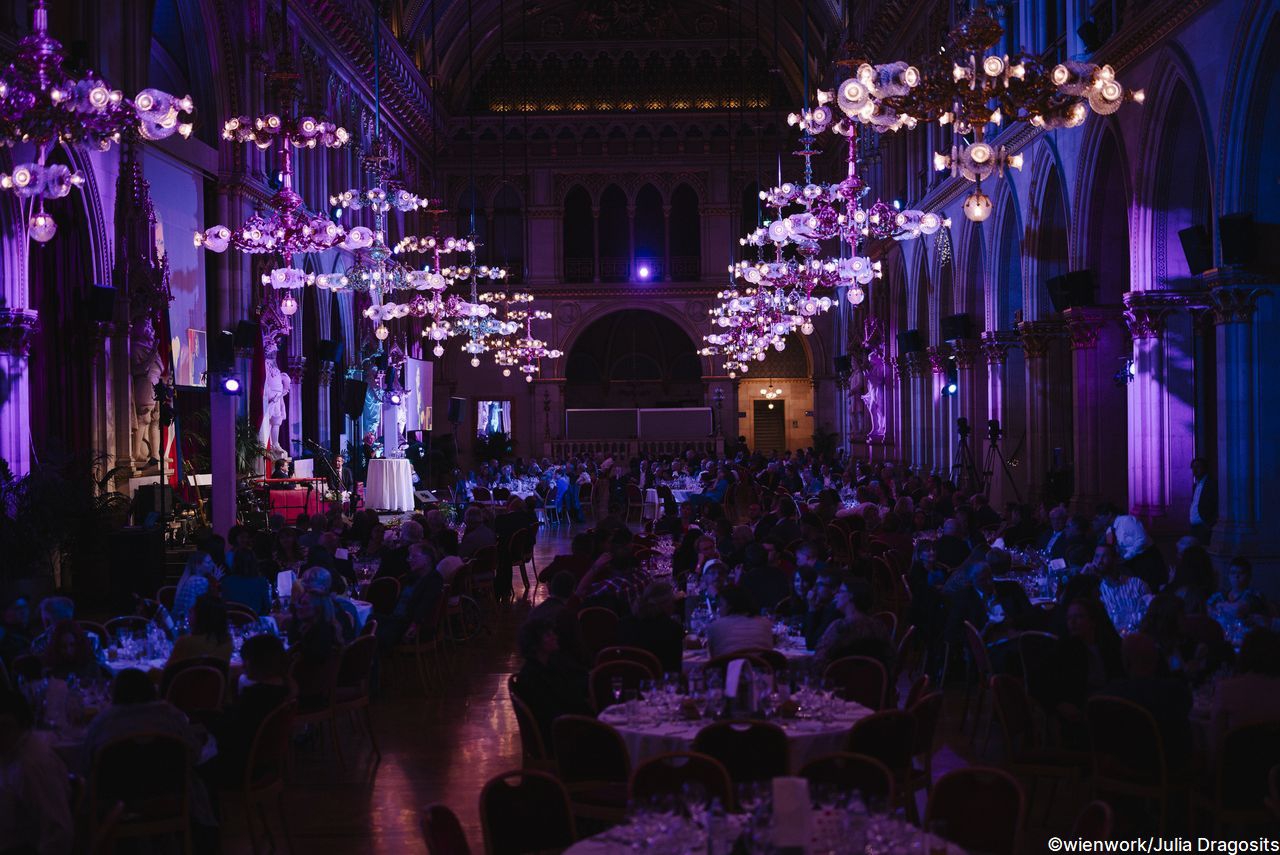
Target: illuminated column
(1037, 337)
(1145, 315)
(297, 365)
(972, 386)
(17, 329)
(1097, 399)
(939, 409)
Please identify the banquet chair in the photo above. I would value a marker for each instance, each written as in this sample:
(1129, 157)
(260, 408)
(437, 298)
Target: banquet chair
(501, 494)
(26, 667)
(594, 766)
(890, 737)
(635, 502)
(917, 691)
(481, 495)
(240, 617)
(599, 629)
(133, 625)
(442, 832)
(1128, 754)
(264, 773)
(584, 500)
(926, 711)
(165, 596)
(428, 647)
(92, 626)
(721, 663)
(748, 750)
(1235, 794)
(667, 775)
(525, 811)
(907, 657)
(890, 621)
(601, 679)
(533, 747)
(638, 655)
(382, 594)
(979, 809)
(1026, 756)
(979, 667)
(860, 679)
(517, 552)
(850, 772)
(351, 693)
(318, 708)
(1096, 822)
(1036, 654)
(838, 539)
(173, 669)
(197, 690)
(151, 774)
(484, 569)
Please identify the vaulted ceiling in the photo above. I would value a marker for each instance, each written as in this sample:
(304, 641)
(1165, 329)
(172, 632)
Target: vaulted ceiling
(455, 40)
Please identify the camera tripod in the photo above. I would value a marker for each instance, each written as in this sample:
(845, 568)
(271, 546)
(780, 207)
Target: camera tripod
(966, 471)
(994, 455)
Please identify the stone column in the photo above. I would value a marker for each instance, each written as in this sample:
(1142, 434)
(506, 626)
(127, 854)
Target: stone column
(940, 408)
(915, 366)
(1037, 337)
(17, 329)
(666, 250)
(1097, 455)
(103, 392)
(595, 237)
(995, 346)
(1248, 497)
(896, 413)
(970, 396)
(297, 365)
(324, 381)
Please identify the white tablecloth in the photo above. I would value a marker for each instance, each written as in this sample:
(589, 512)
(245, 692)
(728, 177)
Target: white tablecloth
(653, 505)
(388, 486)
(807, 739)
(363, 612)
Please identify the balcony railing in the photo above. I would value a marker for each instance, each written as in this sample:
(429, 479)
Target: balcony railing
(615, 269)
(579, 269)
(684, 268)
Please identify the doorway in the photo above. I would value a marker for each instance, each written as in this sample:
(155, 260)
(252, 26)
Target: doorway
(770, 426)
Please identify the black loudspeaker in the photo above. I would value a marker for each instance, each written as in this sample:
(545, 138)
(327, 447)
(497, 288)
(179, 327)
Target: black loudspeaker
(844, 364)
(247, 333)
(329, 350)
(135, 557)
(954, 327)
(1239, 239)
(1075, 288)
(222, 352)
(457, 407)
(353, 395)
(147, 499)
(1088, 33)
(910, 342)
(102, 303)
(1196, 249)
(422, 437)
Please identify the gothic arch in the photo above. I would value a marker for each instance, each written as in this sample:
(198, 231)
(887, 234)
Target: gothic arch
(1249, 112)
(1007, 292)
(1103, 205)
(1049, 230)
(568, 338)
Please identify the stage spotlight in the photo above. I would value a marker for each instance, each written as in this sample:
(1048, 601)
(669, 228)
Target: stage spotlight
(951, 388)
(396, 399)
(231, 385)
(644, 272)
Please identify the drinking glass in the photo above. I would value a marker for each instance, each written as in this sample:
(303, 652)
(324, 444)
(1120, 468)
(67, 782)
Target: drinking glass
(615, 686)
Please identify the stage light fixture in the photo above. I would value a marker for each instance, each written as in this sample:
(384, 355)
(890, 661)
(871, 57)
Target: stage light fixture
(231, 385)
(644, 271)
(396, 399)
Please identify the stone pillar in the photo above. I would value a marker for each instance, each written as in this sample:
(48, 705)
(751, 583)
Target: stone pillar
(324, 380)
(1037, 337)
(17, 329)
(297, 365)
(995, 346)
(940, 409)
(896, 413)
(915, 366)
(1247, 457)
(595, 246)
(1097, 401)
(103, 392)
(666, 251)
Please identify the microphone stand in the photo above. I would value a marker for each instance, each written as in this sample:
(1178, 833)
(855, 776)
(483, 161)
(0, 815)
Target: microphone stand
(328, 464)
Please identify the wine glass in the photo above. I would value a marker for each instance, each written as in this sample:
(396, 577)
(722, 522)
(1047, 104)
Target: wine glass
(615, 686)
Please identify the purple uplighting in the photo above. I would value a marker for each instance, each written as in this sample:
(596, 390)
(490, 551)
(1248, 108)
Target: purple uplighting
(644, 271)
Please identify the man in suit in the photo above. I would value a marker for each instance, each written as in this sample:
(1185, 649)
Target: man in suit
(1204, 501)
(342, 479)
(417, 601)
(1056, 535)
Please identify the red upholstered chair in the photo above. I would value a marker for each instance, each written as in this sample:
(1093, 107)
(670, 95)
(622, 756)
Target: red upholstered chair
(749, 750)
(638, 655)
(850, 772)
(197, 690)
(594, 766)
(979, 809)
(598, 628)
(667, 775)
(1096, 822)
(1128, 754)
(533, 744)
(601, 679)
(860, 679)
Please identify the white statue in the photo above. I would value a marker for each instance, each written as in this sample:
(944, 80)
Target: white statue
(873, 372)
(275, 388)
(146, 367)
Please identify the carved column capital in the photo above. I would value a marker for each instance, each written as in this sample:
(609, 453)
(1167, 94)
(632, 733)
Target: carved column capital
(297, 364)
(1146, 311)
(1086, 323)
(1235, 305)
(996, 344)
(938, 358)
(967, 351)
(17, 330)
(914, 362)
(1036, 337)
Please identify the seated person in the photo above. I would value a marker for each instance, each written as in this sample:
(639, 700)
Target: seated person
(35, 796)
(855, 632)
(654, 627)
(315, 642)
(208, 637)
(1139, 553)
(418, 600)
(1168, 699)
(764, 582)
(1087, 658)
(70, 654)
(53, 610)
(548, 683)
(738, 628)
(821, 606)
(1124, 596)
(263, 688)
(245, 586)
(1253, 694)
(321, 581)
(578, 561)
(135, 710)
(1241, 600)
(477, 532)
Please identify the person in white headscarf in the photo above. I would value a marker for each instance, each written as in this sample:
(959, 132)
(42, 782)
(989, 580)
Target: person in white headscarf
(1138, 552)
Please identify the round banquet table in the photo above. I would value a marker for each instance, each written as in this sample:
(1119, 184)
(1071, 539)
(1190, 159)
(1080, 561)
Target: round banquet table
(807, 738)
(388, 485)
(652, 508)
(791, 646)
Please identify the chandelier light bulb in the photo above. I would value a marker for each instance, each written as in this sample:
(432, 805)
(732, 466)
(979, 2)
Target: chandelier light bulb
(41, 227)
(506, 372)
(977, 207)
(438, 350)
(289, 305)
(475, 362)
(382, 332)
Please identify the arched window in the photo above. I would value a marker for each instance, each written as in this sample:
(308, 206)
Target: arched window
(651, 237)
(686, 235)
(579, 237)
(508, 233)
(1008, 270)
(1051, 242)
(615, 237)
(975, 298)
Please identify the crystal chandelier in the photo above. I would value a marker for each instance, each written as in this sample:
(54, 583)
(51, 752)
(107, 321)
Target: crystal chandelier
(434, 279)
(375, 270)
(44, 105)
(525, 352)
(968, 87)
